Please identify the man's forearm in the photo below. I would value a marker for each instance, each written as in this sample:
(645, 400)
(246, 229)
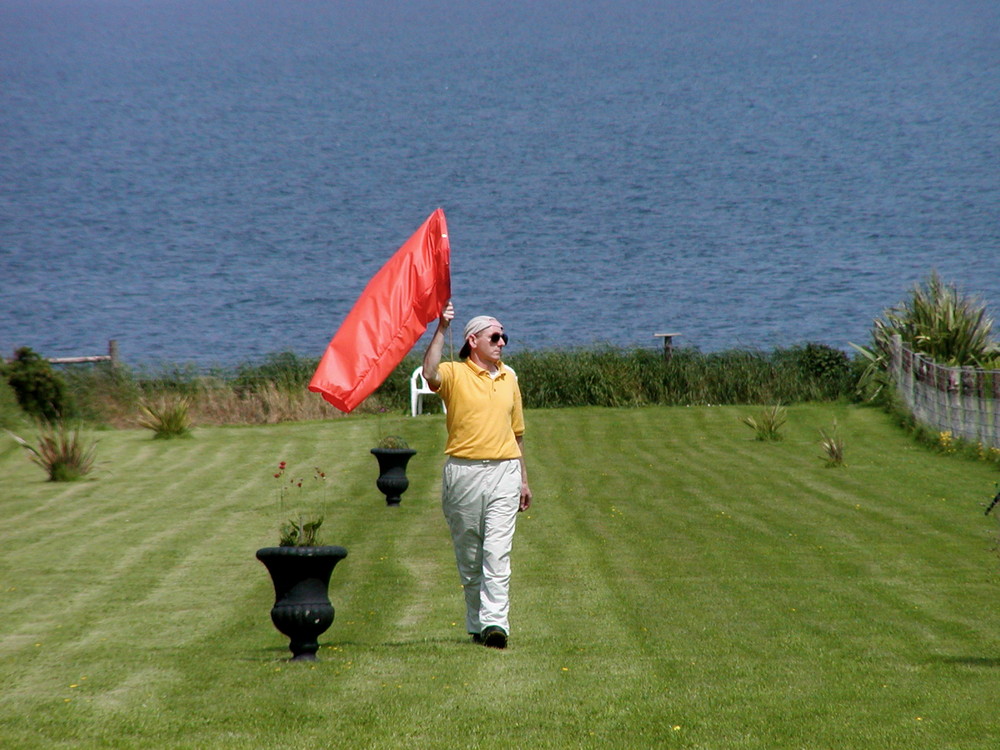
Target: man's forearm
(432, 358)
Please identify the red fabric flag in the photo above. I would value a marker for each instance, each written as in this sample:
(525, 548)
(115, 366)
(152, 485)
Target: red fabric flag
(393, 311)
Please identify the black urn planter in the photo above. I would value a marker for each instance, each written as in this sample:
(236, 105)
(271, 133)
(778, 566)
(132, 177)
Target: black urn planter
(392, 481)
(302, 609)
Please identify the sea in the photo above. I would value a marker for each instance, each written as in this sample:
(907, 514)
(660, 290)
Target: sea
(211, 181)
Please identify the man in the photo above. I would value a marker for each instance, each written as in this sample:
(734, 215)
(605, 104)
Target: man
(485, 483)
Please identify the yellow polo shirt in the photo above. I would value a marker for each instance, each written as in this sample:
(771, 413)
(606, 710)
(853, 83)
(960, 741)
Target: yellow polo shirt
(484, 413)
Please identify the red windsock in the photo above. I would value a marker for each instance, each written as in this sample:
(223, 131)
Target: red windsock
(392, 313)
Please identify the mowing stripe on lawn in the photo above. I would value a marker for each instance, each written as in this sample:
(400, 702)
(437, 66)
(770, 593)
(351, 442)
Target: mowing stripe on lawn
(676, 584)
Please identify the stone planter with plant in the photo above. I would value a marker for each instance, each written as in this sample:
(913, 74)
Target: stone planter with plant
(300, 568)
(393, 454)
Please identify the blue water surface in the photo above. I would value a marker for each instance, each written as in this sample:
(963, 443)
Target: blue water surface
(208, 181)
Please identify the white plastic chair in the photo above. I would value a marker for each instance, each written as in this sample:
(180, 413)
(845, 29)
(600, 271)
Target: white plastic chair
(419, 389)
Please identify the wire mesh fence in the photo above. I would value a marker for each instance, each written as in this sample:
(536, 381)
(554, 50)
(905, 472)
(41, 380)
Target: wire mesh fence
(964, 401)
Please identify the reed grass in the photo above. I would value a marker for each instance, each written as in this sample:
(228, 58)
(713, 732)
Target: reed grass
(275, 390)
(613, 377)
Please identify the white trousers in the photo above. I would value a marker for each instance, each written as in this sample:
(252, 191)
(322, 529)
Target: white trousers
(480, 501)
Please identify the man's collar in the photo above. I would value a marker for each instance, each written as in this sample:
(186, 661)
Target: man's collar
(482, 370)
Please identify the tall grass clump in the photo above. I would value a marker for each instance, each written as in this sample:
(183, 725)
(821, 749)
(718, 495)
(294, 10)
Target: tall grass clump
(168, 417)
(61, 451)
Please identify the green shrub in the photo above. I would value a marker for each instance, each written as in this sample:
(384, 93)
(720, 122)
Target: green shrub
(11, 414)
(821, 361)
(826, 368)
(40, 391)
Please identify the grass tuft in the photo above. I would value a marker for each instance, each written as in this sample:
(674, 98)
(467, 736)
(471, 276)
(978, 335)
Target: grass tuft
(833, 446)
(61, 451)
(767, 425)
(168, 417)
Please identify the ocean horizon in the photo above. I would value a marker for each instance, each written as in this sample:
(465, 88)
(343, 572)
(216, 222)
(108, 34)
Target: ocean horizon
(209, 182)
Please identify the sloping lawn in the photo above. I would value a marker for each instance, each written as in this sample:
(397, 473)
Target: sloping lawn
(677, 584)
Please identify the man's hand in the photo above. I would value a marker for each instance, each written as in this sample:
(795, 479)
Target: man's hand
(447, 315)
(525, 497)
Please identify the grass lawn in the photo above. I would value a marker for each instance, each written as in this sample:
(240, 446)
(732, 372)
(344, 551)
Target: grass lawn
(677, 584)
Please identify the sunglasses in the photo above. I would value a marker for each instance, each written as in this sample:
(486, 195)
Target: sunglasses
(494, 338)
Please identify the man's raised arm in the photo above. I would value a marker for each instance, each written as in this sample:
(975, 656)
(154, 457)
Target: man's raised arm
(432, 357)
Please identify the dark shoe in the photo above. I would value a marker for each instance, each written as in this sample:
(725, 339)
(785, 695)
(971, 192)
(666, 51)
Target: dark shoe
(476, 637)
(494, 637)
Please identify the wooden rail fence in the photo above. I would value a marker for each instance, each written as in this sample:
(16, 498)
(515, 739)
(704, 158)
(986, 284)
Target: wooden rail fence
(111, 356)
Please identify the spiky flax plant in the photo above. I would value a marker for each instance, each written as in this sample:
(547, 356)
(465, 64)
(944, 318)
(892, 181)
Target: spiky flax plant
(767, 424)
(833, 446)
